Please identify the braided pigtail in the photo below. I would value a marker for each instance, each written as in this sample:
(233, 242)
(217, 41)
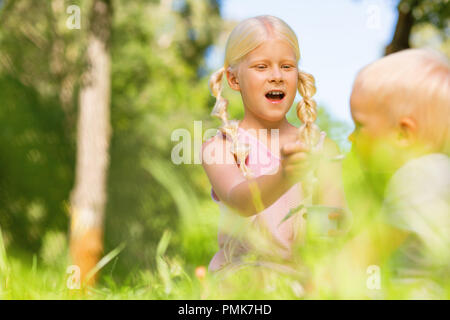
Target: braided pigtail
(309, 133)
(307, 110)
(215, 84)
(229, 127)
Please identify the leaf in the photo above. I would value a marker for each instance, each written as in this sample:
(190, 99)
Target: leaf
(105, 260)
(291, 212)
(3, 259)
(163, 243)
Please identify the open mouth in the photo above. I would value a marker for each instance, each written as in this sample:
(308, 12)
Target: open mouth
(275, 95)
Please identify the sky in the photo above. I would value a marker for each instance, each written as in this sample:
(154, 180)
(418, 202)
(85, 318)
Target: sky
(336, 38)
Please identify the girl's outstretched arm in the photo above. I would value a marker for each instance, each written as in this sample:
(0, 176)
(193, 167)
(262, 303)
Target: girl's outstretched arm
(233, 188)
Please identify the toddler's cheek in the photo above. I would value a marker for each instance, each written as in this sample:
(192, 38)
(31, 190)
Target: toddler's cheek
(377, 155)
(361, 147)
(385, 154)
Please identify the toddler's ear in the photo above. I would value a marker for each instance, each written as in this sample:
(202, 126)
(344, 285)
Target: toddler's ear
(232, 79)
(407, 131)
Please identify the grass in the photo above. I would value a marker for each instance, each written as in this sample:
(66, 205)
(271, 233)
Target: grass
(181, 275)
(171, 279)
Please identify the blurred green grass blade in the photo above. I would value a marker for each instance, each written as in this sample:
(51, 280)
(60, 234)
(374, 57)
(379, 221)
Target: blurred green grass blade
(3, 259)
(105, 260)
(184, 197)
(163, 243)
(291, 212)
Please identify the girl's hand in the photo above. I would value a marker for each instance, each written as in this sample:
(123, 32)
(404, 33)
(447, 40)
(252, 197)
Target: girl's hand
(296, 161)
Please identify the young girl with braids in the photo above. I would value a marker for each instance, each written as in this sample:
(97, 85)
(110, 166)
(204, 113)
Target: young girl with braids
(258, 178)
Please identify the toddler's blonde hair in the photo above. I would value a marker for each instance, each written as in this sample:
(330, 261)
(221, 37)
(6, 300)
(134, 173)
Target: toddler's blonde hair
(413, 83)
(247, 36)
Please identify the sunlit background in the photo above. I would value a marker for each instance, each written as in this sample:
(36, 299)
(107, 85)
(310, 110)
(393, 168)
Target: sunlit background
(157, 223)
(337, 38)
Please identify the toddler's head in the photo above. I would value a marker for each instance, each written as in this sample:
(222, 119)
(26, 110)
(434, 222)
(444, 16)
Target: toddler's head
(400, 106)
(261, 59)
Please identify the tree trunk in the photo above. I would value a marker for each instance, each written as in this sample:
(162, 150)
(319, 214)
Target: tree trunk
(405, 22)
(88, 197)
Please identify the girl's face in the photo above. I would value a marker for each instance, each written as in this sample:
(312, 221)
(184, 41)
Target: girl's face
(267, 79)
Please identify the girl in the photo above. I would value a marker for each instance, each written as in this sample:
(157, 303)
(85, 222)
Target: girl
(254, 181)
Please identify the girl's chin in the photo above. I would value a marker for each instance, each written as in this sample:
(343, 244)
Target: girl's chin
(270, 112)
(274, 116)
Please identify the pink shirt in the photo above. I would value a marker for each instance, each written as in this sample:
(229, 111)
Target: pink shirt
(262, 233)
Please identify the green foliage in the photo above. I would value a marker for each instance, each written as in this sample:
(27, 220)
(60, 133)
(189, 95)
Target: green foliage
(436, 12)
(156, 88)
(36, 165)
(430, 19)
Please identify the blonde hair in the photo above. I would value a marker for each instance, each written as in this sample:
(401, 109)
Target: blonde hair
(245, 37)
(413, 83)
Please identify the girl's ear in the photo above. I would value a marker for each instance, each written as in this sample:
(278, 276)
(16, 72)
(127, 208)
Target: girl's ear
(407, 131)
(232, 79)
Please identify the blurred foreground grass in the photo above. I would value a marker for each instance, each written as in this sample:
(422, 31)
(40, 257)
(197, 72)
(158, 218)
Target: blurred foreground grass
(178, 269)
(173, 279)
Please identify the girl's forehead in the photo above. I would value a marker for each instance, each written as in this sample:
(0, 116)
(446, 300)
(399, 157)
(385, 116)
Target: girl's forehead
(273, 48)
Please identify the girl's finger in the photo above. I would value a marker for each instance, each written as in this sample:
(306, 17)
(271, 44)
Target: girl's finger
(293, 147)
(295, 169)
(297, 157)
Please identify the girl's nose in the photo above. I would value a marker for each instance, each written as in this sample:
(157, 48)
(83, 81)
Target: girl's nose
(276, 75)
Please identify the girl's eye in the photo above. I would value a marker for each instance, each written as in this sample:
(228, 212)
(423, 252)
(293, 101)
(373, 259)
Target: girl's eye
(260, 67)
(286, 66)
